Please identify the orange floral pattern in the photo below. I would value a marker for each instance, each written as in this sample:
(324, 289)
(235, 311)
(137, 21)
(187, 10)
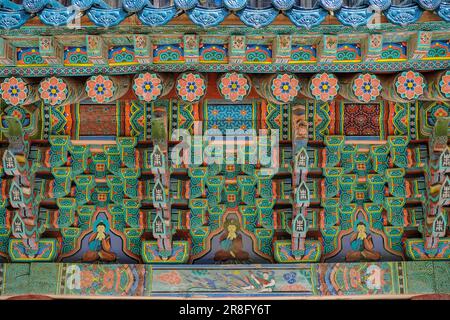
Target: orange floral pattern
(367, 87)
(285, 87)
(410, 85)
(100, 88)
(234, 86)
(86, 278)
(147, 86)
(324, 86)
(171, 277)
(444, 84)
(53, 91)
(14, 91)
(191, 87)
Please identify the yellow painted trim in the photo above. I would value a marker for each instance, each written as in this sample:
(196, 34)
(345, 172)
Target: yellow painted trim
(436, 58)
(171, 62)
(391, 60)
(249, 62)
(123, 63)
(32, 65)
(346, 61)
(79, 65)
(213, 61)
(302, 62)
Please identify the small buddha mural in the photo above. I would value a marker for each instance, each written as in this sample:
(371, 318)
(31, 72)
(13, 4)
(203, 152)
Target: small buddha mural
(99, 244)
(361, 243)
(231, 244)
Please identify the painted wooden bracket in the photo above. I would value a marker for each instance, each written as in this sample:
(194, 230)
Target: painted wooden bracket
(372, 47)
(191, 50)
(282, 48)
(51, 50)
(6, 52)
(143, 49)
(97, 50)
(327, 48)
(420, 45)
(237, 49)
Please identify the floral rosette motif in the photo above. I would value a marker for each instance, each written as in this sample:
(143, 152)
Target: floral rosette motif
(410, 85)
(100, 88)
(53, 91)
(234, 86)
(367, 87)
(14, 91)
(191, 87)
(147, 86)
(444, 84)
(285, 87)
(324, 86)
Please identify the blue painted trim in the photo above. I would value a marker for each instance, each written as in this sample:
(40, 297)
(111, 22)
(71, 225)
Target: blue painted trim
(306, 18)
(207, 17)
(13, 16)
(257, 18)
(426, 65)
(156, 17)
(403, 15)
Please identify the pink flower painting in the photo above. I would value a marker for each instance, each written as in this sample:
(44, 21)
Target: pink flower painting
(410, 85)
(100, 88)
(285, 87)
(367, 87)
(444, 84)
(234, 86)
(14, 91)
(324, 86)
(53, 91)
(191, 87)
(147, 86)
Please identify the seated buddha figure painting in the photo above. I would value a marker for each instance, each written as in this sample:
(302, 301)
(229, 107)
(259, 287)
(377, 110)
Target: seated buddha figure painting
(224, 149)
(362, 243)
(101, 244)
(232, 245)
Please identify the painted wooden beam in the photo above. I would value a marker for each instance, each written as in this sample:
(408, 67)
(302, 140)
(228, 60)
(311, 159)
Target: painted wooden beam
(104, 89)
(406, 86)
(277, 88)
(61, 91)
(438, 88)
(321, 86)
(149, 86)
(361, 87)
(19, 91)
